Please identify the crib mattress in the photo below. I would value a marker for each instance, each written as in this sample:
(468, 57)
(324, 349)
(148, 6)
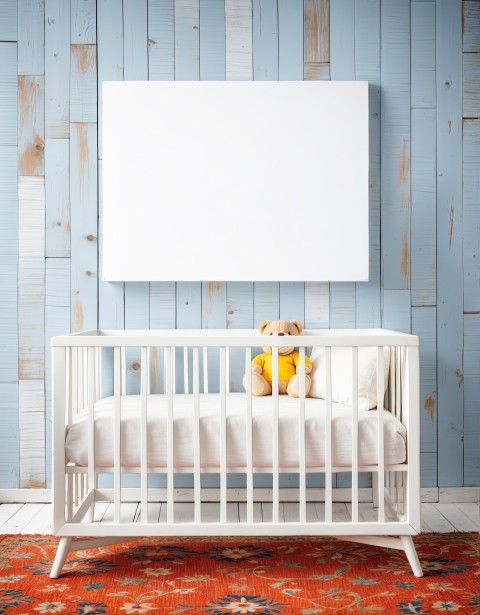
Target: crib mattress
(76, 438)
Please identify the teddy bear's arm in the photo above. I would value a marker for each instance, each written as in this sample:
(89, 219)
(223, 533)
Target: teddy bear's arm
(257, 364)
(296, 362)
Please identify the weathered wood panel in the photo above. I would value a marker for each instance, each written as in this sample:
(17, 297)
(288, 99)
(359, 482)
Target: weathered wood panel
(316, 72)
(342, 305)
(471, 85)
(31, 123)
(31, 37)
(238, 40)
(187, 42)
(83, 195)
(83, 25)
(423, 88)
(240, 316)
(471, 366)
(57, 69)
(57, 198)
(396, 310)
(31, 400)
(162, 316)
(8, 93)
(290, 39)
(265, 40)
(428, 469)
(424, 324)
(449, 242)
(161, 41)
(8, 23)
(471, 26)
(109, 50)
(135, 40)
(266, 302)
(9, 436)
(367, 68)
(83, 83)
(212, 40)
(292, 301)
(137, 316)
(424, 203)
(57, 322)
(395, 143)
(189, 316)
(317, 305)
(31, 278)
(471, 215)
(317, 30)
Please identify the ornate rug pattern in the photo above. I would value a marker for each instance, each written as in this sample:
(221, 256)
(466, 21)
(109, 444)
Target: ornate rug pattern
(264, 576)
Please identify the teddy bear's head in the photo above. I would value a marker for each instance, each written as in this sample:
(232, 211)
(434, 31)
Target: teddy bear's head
(280, 328)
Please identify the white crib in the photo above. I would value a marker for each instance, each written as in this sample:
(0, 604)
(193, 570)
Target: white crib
(185, 419)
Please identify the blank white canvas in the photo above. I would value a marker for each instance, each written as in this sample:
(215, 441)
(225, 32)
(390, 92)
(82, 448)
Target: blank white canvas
(235, 181)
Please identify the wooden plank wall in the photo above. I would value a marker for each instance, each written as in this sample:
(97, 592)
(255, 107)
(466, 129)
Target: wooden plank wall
(422, 61)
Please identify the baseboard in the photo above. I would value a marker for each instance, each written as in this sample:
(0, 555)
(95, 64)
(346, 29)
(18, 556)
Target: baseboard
(428, 494)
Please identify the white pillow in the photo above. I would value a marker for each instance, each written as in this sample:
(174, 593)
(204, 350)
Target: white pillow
(342, 375)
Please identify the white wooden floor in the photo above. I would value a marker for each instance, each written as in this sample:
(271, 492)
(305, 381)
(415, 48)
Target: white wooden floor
(36, 518)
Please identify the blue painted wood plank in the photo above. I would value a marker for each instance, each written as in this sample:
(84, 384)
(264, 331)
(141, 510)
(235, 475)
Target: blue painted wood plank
(428, 470)
(316, 30)
(161, 40)
(137, 316)
(292, 301)
(135, 40)
(8, 93)
(424, 324)
(9, 436)
(424, 203)
(240, 316)
(367, 68)
(395, 143)
(31, 403)
(471, 362)
(162, 316)
(214, 305)
(471, 216)
(83, 194)
(212, 40)
(83, 25)
(57, 322)
(109, 50)
(238, 40)
(265, 40)
(31, 37)
(189, 316)
(396, 310)
(342, 40)
(266, 302)
(290, 40)
(57, 69)
(9, 319)
(57, 198)
(471, 26)
(31, 134)
(317, 305)
(8, 23)
(342, 305)
(83, 83)
(423, 87)
(187, 42)
(449, 242)
(471, 85)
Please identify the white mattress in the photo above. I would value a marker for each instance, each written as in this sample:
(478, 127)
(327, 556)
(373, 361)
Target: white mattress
(76, 439)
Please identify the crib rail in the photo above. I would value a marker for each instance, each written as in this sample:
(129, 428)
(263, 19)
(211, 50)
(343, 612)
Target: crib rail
(92, 365)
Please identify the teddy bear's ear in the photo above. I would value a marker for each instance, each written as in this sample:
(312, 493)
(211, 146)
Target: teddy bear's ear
(297, 325)
(263, 325)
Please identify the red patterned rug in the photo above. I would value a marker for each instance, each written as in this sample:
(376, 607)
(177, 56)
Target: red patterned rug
(264, 576)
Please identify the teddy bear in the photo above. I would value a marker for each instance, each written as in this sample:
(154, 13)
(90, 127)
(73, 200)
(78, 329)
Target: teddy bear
(288, 362)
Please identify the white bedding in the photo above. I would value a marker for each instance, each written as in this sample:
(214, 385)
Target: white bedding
(76, 439)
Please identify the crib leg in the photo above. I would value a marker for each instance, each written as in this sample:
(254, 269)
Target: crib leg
(410, 552)
(61, 556)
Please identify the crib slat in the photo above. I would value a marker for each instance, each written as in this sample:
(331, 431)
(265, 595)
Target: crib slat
(328, 435)
(228, 368)
(143, 434)
(275, 464)
(74, 384)
(205, 369)
(186, 384)
(355, 434)
(91, 416)
(196, 437)
(124, 371)
(249, 433)
(380, 439)
(169, 384)
(223, 433)
(98, 372)
(301, 440)
(117, 383)
(81, 380)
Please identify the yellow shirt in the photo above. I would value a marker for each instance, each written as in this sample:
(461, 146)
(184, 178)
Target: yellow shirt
(287, 365)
